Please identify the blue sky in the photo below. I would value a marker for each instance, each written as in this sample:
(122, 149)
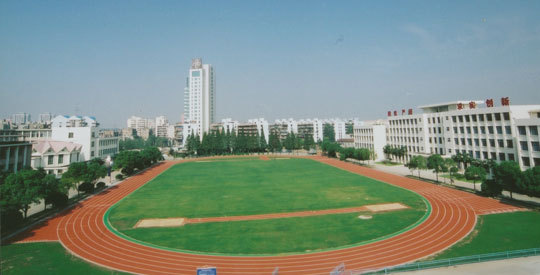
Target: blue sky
(273, 59)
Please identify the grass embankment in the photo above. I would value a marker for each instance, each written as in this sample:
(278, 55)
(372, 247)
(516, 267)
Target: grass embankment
(44, 258)
(499, 233)
(210, 189)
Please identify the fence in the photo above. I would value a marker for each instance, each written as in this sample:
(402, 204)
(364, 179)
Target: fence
(454, 261)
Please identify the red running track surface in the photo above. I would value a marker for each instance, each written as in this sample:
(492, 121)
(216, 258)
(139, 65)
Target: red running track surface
(82, 232)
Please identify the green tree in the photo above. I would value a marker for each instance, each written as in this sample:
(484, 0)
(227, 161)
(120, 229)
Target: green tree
(436, 162)
(309, 143)
(76, 173)
(452, 168)
(475, 173)
(22, 189)
(417, 163)
(274, 143)
(508, 175)
(263, 145)
(328, 133)
(387, 150)
(531, 181)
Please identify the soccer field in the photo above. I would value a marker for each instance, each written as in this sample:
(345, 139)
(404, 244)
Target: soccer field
(251, 186)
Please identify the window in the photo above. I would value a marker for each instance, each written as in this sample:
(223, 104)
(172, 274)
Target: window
(460, 118)
(474, 119)
(485, 155)
(506, 116)
(488, 117)
(455, 130)
(475, 130)
(509, 143)
(70, 135)
(477, 154)
(499, 130)
(501, 143)
(439, 119)
(462, 129)
(440, 130)
(497, 117)
(483, 130)
(511, 157)
(462, 141)
(535, 146)
(493, 156)
(456, 141)
(492, 142)
(93, 134)
(508, 130)
(484, 142)
(476, 142)
(92, 144)
(526, 161)
(521, 130)
(50, 160)
(92, 153)
(502, 157)
(524, 145)
(536, 161)
(454, 119)
(467, 118)
(469, 142)
(481, 117)
(60, 159)
(468, 130)
(533, 130)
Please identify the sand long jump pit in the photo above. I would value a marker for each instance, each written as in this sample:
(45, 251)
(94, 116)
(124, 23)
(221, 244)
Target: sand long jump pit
(176, 222)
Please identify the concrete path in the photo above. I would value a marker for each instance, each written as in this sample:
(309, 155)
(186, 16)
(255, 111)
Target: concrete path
(518, 266)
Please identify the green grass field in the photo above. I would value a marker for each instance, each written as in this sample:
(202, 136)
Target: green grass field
(245, 187)
(44, 258)
(499, 233)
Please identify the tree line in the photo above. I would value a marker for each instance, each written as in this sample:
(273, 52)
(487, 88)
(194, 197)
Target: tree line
(225, 143)
(331, 149)
(495, 177)
(128, 162)
(139, 143)
(19, 190)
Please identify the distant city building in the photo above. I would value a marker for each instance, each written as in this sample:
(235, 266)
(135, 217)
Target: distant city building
(84, 131)
(55, 156)
(143, 127)
(200, 96)
(15, 155)
(229, 125)
(45, 118)
(162, 124)
(20, 118)
(254, 127)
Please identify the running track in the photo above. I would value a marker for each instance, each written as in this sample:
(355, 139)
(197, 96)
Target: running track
(82, 232)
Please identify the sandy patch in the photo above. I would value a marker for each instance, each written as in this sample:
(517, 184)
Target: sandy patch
(385, 207)
(170, 222)
(365, 217)
(282, 158)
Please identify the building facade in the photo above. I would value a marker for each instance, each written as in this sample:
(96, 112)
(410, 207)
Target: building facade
(55, 156)
(498, 133)
(15, 155)
(371, 135)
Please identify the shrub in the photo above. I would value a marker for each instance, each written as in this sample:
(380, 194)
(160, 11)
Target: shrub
(10, 218)
(86, 187)
(100, 185)
(491, 188)
(58, 200)
(119, 177)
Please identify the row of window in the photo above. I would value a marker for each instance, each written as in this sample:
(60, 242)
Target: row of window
(480, 117)
(60, 159)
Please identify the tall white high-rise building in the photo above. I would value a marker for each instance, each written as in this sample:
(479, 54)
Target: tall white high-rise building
(200, 96)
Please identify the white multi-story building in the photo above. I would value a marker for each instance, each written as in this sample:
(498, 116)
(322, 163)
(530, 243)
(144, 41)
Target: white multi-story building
(462, 127)
(200, 96)
(260, 124)
(371, 135)
(143, 126)
(229, 125)
(84, 131)
(55, 156)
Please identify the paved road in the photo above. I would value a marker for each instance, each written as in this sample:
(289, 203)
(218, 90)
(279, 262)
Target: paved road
(519, 266)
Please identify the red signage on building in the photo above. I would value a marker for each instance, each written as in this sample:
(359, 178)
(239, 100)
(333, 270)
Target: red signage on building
(395, 113)
(472, 105)
(505, 101)
(460, 106)
(489, 102)
(402, 111)
(410, 111)
(389, 113)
